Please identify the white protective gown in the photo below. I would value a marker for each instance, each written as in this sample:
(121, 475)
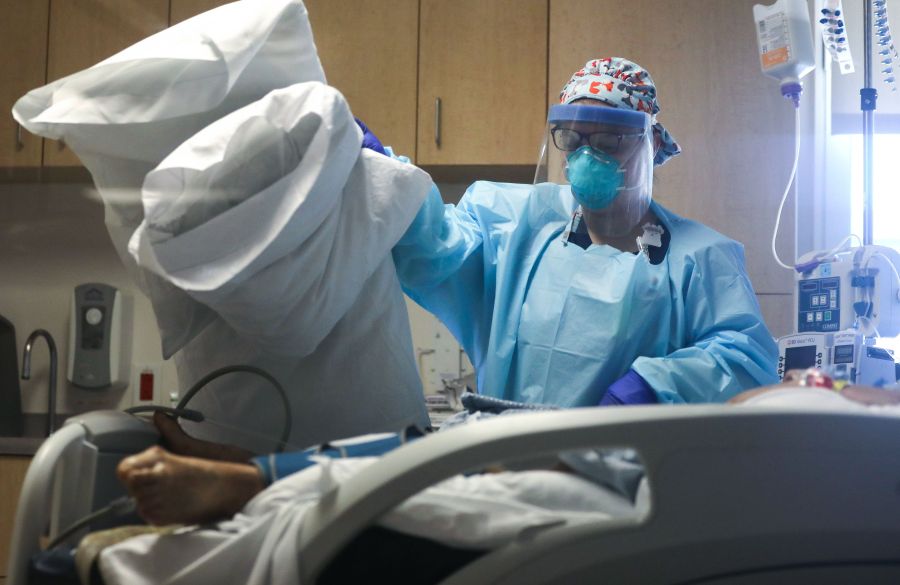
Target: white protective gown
(334, 331)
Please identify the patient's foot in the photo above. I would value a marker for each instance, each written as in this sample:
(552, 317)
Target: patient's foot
(177, 441)
(171, 489)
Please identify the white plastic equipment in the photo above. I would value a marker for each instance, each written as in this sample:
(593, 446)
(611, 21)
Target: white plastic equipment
(99, 338)
(855, 289)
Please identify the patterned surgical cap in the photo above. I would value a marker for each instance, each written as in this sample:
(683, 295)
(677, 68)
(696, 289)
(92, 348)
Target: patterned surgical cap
(621, 83)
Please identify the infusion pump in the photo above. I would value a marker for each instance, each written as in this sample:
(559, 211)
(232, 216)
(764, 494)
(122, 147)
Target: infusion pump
(856, 289)
(845, 355)
(843, 303)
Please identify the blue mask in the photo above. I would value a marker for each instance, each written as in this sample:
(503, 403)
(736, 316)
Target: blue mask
(595, 177)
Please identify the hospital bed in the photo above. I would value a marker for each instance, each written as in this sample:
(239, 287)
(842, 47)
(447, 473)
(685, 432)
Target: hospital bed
(738, 495)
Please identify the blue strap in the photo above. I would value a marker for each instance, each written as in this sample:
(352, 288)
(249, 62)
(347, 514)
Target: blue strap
(275, 466)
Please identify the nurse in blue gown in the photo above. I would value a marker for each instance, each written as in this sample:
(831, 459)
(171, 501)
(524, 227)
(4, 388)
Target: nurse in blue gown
(591, 293)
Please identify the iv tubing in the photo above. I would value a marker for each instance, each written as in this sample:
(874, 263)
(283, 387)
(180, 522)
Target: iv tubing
(787, 188)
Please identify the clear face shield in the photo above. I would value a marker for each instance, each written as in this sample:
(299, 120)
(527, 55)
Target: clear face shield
(605, 154)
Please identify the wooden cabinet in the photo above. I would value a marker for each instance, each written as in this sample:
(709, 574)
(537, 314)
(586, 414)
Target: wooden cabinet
(484, 59)
(735, 129)
(368, 49)
(485, 63)
(23, 54)
(12, 474)
(85, 32)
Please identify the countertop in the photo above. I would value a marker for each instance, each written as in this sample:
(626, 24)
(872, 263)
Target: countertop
(35, 428)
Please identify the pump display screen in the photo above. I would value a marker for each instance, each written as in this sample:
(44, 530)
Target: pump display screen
(843, 354)
(799, 358)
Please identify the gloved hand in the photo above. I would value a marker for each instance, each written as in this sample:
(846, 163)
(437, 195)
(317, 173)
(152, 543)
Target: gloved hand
(629, 389)
(370, 141)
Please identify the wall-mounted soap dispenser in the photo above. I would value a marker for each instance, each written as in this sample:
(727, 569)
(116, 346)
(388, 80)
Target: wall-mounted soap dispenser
(99, 345)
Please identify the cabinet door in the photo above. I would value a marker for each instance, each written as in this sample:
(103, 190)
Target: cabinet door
(85, 32)
(12, 474)
(735, 129)
(23, 55)
(184, 9)
(368, 51)
(485, 61)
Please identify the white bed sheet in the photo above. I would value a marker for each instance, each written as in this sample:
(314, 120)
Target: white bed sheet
(259, 545)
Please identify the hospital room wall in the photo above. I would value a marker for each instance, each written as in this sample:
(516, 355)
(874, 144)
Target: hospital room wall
(53, 238)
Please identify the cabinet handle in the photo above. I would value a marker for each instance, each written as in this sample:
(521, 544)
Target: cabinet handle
(19, 144)
(437, 121)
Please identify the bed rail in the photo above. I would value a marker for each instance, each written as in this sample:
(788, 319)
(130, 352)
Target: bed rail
(64, 481)
(758, 487)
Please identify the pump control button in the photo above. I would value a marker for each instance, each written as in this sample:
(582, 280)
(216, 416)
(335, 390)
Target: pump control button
(93, 316)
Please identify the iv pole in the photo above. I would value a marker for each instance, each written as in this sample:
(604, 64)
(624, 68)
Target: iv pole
(868, 96)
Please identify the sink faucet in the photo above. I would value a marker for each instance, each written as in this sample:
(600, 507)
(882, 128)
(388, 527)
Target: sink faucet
(26, 373)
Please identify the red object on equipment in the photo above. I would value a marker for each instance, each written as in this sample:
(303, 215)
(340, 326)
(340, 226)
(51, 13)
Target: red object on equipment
(146, 388)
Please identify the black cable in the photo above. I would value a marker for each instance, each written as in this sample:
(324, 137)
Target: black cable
(118, 507)
(288, 423)
(185, 413)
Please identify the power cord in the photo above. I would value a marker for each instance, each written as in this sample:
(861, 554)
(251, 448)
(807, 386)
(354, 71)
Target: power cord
(118, 507)
(181, 410)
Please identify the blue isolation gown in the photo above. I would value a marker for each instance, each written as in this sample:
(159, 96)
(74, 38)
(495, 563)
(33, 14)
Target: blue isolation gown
(546, 321)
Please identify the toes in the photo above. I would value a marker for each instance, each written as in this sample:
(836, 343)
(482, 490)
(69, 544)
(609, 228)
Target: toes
(143, 460)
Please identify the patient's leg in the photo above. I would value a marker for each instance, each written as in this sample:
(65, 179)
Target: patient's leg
(171, 489)
(177, 441)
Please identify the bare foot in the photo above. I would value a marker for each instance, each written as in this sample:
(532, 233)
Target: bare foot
(171, 489)
(177, 441)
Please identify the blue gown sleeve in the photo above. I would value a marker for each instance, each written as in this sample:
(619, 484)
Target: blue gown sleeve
(728, 348)
(440, 264)
(436, 245)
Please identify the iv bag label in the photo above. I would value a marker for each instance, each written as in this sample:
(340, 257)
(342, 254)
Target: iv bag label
(774, 40)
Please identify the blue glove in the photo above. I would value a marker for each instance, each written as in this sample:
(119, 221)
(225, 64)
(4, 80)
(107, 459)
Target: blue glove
(370, 141)
(629, 389)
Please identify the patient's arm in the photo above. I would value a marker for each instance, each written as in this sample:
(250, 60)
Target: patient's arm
(868, 395)
(177, 441)
(172, 489)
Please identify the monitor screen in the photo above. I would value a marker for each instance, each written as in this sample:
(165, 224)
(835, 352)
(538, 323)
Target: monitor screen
(843, 354)
(799, 357)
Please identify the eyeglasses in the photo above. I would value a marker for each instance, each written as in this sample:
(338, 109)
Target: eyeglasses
(608, 142)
